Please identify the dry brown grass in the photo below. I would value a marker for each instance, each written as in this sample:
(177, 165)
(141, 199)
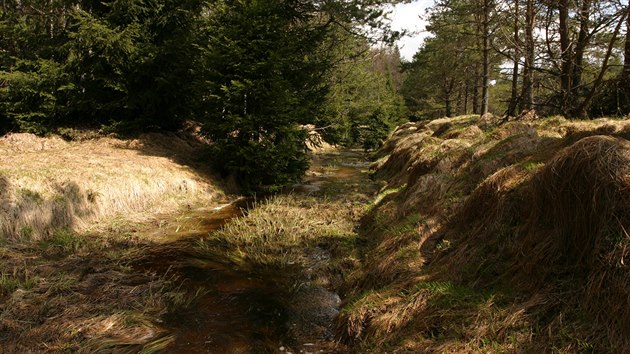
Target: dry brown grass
(397, 159)
(276, 232)
(579, 203)
(48, 184)
(85, 300)
(511, 241)
(73, 218)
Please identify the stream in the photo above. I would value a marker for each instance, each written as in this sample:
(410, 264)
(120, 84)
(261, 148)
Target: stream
(246, 311)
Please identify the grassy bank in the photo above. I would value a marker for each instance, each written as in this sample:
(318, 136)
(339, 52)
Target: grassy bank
(47, 184)
(496, 238)
(74, 218)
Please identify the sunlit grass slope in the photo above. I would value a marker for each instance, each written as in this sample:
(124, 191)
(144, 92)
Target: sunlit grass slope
(48, 184)
(74, 217)
(497, 238)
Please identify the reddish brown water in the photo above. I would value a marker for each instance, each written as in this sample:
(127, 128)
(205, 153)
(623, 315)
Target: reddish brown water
(238, 314)
(245, 311)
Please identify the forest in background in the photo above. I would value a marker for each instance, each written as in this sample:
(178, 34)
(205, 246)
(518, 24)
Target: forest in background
(253, 73)
(486, 235)
(563, 57)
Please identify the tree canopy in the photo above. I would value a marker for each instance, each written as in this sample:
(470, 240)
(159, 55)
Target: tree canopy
(253, 72)
(508, 56)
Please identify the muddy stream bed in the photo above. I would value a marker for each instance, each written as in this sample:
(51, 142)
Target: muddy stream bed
(249, 310)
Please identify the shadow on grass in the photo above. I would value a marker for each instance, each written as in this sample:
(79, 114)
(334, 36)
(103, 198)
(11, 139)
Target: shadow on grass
(27, 215)
(185, 148)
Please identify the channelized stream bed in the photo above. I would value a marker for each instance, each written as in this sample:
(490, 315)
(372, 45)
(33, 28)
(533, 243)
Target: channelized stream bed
(243, 307)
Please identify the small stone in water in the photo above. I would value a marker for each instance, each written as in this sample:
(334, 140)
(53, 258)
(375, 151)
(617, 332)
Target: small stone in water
(281, 349)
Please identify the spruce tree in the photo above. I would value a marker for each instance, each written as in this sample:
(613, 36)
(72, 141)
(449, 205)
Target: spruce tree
(263, 80)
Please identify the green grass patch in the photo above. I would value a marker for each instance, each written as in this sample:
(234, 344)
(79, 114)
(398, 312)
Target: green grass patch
(26, 232)
(406, 226)
(379, 198)
(64, 240)
(11, 282)
(532, 166)
(33, 196)
(364, 301)
(448, 294)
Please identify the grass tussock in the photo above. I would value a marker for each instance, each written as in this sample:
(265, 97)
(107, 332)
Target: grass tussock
(284, 230)
(514, 239)
(313, 228)
(48, 184)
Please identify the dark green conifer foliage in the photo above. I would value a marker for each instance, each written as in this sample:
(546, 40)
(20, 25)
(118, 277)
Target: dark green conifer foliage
(31, 74)
(121, 63)
(253, 71)
(264, 80)
(132, 63)
(363, 104)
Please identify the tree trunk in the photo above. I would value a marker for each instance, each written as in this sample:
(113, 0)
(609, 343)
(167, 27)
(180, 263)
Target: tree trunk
(460, 102)
(578, 58)
(475, 98)
(527, 97)
(448, 109)
(448, 100)
(582, 42)
(466, 89)
(565, 55)
(626, 57)
(485, 83)
(516, 55)
(623, 103)
(582, 110)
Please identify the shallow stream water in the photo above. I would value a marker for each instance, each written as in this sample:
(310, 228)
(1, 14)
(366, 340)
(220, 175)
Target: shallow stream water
(245, 311)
